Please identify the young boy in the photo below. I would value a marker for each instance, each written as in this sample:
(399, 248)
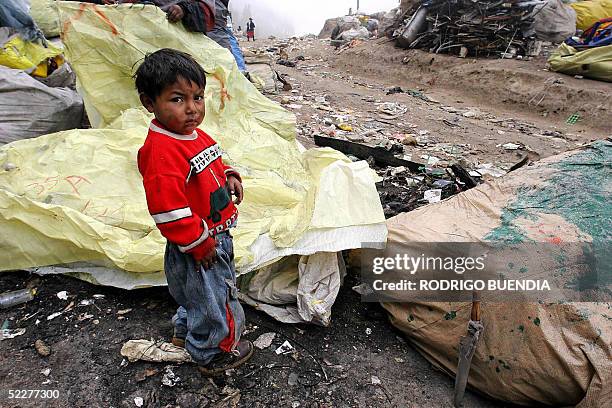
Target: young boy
(186, 186)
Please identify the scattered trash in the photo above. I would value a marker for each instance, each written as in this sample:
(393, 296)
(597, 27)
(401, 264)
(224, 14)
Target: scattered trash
(84, 316)
(512, 146)
(433, 196)
(293, 379)
(146, 373)
(431, 160)
(487, 169)
(11, 334)
(376, 380)
(363, 289)
(86, 302)
(124, 311)
(46, 372)
(42, 348)
(391, 110)
(264, 341)
(573, 119)
(98, 296)
(170, 379)
(149, 350)
(285, 348)
(139, 401)
(63, 295)
(16, 297)
(54, 315)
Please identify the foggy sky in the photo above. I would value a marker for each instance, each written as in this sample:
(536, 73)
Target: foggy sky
(305, 16)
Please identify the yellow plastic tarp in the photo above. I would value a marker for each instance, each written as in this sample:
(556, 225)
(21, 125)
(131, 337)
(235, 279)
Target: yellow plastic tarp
(46, 17)
(28, 56)
(594, 63)
(591, 11)
(73, 201)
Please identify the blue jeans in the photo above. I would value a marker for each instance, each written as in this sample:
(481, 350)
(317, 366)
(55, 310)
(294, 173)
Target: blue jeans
(204, 296)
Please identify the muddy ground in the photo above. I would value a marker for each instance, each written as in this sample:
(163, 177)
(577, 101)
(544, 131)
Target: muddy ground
(337, 366)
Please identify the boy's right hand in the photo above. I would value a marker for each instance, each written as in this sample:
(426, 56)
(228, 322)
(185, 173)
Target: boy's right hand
(205, 254)
(208, 260)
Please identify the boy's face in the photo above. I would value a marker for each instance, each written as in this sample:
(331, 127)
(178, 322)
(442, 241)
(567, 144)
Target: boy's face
(179, 107)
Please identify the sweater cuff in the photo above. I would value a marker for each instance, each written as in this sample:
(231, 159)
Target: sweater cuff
(202, 250)
(232, 172)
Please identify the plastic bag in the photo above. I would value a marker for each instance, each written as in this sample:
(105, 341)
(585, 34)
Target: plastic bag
(28, 56)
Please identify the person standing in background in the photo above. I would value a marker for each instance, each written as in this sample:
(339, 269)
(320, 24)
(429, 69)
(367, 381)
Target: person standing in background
(250, 30)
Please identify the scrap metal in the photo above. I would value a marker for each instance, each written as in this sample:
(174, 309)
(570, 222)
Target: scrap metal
(472, 27)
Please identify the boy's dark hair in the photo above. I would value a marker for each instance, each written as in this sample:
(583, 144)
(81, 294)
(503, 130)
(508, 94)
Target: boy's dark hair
(163, 68)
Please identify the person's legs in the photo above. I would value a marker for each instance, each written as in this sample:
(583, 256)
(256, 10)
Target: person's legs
(214, 318)
(237, 52)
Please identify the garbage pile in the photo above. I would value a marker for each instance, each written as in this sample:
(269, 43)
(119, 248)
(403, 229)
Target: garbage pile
(471, 28)
(37, 84)
(348, 28)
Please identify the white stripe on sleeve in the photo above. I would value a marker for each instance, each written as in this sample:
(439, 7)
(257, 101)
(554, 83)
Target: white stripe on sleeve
(173, 215)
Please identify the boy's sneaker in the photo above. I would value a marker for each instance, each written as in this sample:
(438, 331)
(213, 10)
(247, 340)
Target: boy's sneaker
(227, 361)
(178, 341)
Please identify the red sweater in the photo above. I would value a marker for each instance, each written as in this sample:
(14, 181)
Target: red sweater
(185, 185)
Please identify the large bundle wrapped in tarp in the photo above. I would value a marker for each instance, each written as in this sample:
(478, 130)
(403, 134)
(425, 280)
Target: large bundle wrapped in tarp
(540, 353)
(44, 13)
(74, 202)
(594, 63)
(554, 21)
(29, 108)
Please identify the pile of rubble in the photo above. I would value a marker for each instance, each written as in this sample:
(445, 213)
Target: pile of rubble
(474, 28)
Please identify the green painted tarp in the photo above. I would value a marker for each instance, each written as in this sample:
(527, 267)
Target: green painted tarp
(555, 353)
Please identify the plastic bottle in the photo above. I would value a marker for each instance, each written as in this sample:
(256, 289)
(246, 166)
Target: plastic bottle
(16, 297)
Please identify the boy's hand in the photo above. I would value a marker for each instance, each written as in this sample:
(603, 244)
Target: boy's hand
(235, 187)
(208, 260)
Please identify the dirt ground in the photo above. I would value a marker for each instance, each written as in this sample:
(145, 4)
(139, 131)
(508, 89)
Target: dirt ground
(334, 366)
(337, 366)
(514, 101)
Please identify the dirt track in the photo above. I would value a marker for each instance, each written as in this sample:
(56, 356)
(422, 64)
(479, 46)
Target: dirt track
(516, 101)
